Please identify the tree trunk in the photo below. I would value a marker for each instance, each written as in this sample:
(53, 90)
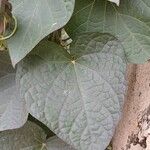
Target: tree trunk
(133, 131)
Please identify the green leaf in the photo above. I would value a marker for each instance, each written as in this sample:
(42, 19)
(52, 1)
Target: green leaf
(30, 137)
(54, 143)
(78, 96)
(36, 19)
(13, 113)
(43, 126)
(130, 23)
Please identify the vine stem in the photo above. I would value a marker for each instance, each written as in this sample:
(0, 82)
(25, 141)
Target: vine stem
(13, 32)
(43, 146)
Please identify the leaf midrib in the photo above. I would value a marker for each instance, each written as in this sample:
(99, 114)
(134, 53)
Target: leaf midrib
(82, 99)
(29, 24)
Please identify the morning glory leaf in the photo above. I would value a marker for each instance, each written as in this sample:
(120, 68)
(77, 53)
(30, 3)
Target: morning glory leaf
(79, 96)
(130, 23)
(36, 19)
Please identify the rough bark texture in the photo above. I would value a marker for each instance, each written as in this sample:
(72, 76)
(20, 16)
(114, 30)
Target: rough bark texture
(133, 131)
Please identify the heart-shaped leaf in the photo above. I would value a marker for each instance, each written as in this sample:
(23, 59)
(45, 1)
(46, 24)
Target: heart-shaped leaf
(79, 95)
(13, 113)
(36, 19)
(130, 23)
(30, 137)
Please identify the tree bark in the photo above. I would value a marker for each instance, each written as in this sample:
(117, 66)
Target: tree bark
(133, 131)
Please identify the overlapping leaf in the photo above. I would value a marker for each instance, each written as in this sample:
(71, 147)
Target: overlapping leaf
(30, 137)
(13, 113)
(36, 19)
(79, 95)
(130, 23)
(54, 143)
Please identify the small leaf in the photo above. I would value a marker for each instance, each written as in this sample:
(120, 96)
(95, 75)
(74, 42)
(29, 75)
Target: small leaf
(79, 96)
(130, 23)
(30, 137)
(13, 113)
(36, 19)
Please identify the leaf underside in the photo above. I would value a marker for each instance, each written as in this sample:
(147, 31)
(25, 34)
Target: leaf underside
(79, 96)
